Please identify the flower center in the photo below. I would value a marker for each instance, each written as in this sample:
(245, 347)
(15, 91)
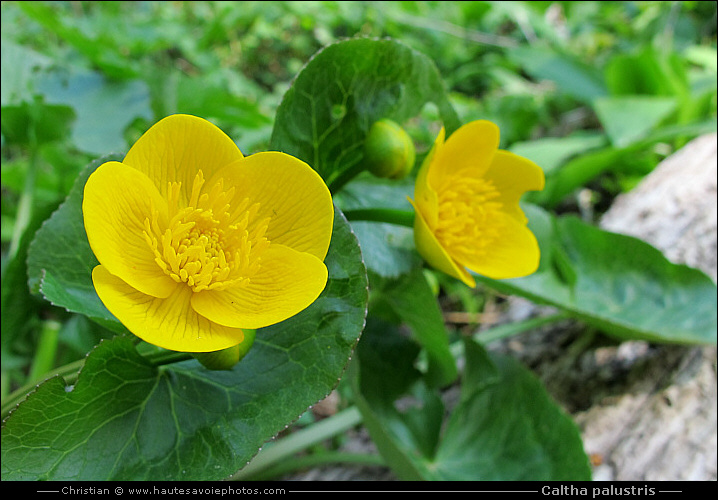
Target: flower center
(466, 221)
(208, 243)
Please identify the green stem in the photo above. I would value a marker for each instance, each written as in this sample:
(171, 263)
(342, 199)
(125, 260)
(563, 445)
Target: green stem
(317, 460)
(389, 215)
(504, 331)
(168, 357)
(25, 204)
(281, 450)
(4, 384)
(44, 359)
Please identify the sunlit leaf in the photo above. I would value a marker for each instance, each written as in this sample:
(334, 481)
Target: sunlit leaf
(629, 118)
(20, 66)
(94, 97)
(552, 152)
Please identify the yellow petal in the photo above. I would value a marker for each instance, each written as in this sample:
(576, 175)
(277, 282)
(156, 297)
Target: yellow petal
(513, 175)
(434, 254)
(513, 254)
(291, 194)
(471, 147)
(177, 147)
(425, 198)
(170, 323)
(287, 282)
(117, 200)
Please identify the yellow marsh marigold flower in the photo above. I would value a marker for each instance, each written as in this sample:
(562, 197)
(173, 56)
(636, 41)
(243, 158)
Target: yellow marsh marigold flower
(467, 206)
(196, 242)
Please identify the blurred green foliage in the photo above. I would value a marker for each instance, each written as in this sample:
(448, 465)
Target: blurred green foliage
(597, 93)
(100, 73)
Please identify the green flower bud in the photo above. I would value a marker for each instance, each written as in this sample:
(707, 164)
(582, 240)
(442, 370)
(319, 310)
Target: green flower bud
(226, 358)
(388, 150)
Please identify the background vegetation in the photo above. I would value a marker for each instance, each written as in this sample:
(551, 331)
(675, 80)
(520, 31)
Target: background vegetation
(597, 93)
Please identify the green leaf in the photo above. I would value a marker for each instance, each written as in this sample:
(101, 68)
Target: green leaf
(94, 98)
(618, 283)
(505, 426)
(19, 68)
(480, 371)
(577, 172)
(60, 260)
(210, 100)
(96, 49)
(384, 373)
(32, 124)
(412, 299)
(126, 419)
(571, 75)
(346, 87)
(515, 430)
(18, 305)
(702, 55)
(551, 152)
(647, 73)
(627, 119)
(388, 249)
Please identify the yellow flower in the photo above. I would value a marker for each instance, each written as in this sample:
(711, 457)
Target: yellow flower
(196, 242)
(467, 206)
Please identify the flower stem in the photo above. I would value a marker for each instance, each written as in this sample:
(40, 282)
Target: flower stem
(44, 358)
(26, 202)
(508, 330)
(389, 215)
(169, 357)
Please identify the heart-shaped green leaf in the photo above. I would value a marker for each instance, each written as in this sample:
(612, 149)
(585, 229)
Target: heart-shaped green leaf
(346, 87)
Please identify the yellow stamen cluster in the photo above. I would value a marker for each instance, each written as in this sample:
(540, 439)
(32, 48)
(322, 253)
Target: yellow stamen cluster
(207, 243)
(467, 215)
